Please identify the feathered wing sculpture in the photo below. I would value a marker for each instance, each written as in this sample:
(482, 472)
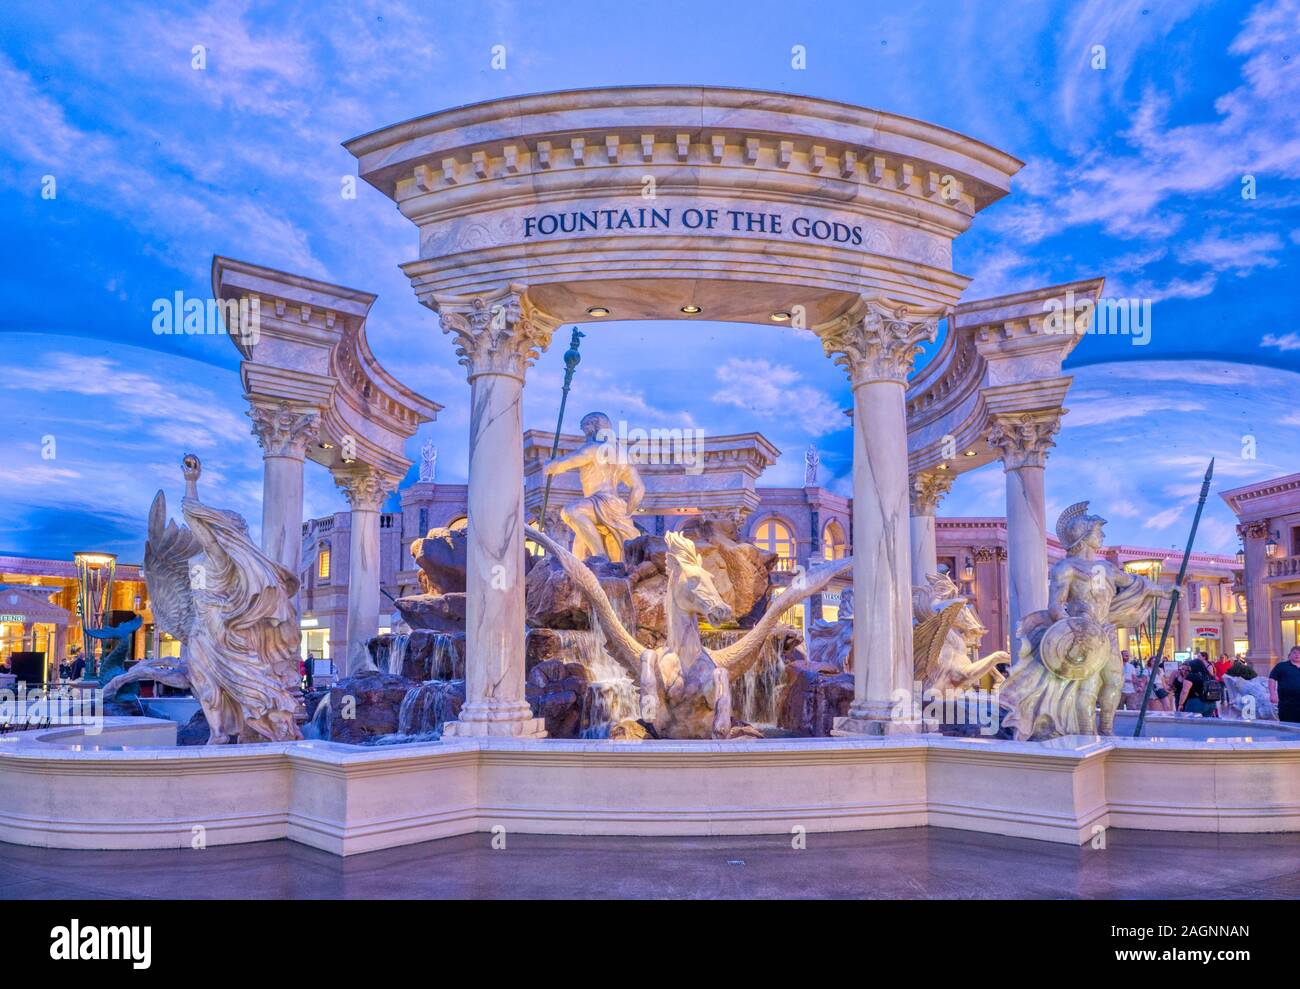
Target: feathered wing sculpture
(928, 639)
(167, 555)
(735, 658)
(622, 644)
(741, 654)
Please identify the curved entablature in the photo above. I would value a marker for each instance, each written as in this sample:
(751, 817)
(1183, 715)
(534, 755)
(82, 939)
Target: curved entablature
(643, 200)
(1000, 362)
(306, 356)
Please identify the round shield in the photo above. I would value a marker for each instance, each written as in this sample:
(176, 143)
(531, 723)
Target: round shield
(1075, 648)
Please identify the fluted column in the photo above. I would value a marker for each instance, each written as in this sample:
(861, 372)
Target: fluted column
(497, 341)
(926, 490)
(283, 433)
(1023, 441)
(876, 345)
(366, 489)
(1259, 610)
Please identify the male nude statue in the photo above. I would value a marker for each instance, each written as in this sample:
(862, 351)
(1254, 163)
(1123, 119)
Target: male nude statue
(602, 518)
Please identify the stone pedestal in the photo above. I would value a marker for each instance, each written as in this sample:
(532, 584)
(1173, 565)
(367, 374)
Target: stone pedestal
(1023, 442)
(497, 343)
(877, 346)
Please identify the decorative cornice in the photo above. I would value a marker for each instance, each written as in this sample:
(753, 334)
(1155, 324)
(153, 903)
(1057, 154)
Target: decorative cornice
(281, 430)
(878, 341)
(1258, 529)
(504, 335)
(365, 488)
(1023, 440)
(927, 490)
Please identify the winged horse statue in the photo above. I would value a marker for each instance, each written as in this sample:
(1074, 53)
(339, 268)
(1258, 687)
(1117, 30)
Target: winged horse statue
(232, 609)
(686, 688)
(945, 632)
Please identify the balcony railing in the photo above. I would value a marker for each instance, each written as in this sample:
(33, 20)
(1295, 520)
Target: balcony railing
(1288, 566)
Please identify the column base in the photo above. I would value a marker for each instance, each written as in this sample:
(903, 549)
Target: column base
(529, 728)
(495, 721)
(850, 726)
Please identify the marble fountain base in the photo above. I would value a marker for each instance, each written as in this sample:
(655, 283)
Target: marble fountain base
(129, 787)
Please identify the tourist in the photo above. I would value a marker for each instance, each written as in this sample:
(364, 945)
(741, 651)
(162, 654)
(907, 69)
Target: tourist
(308, 665)
(78, 667)
(1240, 668)
(1285, 678)
(1201, 692)
(1128, 698)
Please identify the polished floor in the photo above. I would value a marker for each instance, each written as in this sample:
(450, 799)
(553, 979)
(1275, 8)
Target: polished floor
(909, 863)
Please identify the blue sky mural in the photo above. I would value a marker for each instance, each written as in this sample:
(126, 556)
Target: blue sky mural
(1134, 171)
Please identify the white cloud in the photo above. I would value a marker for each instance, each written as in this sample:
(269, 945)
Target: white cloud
(1285, 342)
(773, 392)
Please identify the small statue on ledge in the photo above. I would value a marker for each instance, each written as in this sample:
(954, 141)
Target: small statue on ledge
(1069, 661)
(601, 519)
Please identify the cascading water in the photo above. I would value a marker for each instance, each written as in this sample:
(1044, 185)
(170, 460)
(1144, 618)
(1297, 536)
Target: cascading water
(612, 695)
(426, 708)
(442, 657)
(397, 653)
(756, 693)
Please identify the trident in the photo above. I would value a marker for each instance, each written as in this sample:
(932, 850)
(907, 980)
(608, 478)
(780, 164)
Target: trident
(571, 359)
(1173, 600)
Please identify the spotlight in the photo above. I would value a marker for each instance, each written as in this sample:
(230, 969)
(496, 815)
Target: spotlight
(597, 311)
(779, 317)
(970, 453)
(692, 310)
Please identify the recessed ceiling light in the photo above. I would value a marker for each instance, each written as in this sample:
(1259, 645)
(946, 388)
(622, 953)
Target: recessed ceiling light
(970, 453)
(597, 311)
(943, 466)
(691, 310)
(779, 317)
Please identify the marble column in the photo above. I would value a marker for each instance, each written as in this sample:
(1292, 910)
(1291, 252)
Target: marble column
(283, 433)
(876, 345)
(1023, 442)
(926, 490)
(366, 489)
(497, 342)
(1259, 617)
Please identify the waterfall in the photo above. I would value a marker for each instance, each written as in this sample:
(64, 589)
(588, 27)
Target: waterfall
(612, 695)
(397, 653)
(318, 725)
(756, 693)
(442, 657)
(426, 708)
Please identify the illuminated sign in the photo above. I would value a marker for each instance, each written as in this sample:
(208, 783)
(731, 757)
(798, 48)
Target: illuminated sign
(13, 618)
(1291, 608)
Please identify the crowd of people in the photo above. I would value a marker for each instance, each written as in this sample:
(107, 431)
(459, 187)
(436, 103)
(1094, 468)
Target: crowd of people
(1197, 685)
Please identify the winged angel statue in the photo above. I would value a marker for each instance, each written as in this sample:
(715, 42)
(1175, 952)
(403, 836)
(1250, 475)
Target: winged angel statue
(232, 609)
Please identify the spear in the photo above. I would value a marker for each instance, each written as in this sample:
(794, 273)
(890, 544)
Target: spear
(571, 359)
(1173, 600)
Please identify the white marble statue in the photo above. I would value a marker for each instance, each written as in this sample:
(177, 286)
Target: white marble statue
(1069, 663)
(1249, 700)
(946, 630)
(428, 462)
(811, 460)
(601, 519)
(686, 688)
(232, 609)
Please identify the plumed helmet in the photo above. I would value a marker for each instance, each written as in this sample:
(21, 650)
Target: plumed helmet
(1075, 523)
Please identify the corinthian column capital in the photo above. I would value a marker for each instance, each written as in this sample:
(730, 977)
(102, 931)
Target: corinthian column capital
(878, 341)
(281, 430)
(927, 489)
(365, 487)
(1023, 439)
(504, 335)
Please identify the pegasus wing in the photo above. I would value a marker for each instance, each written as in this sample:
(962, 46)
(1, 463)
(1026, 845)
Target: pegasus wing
(623, 644)
(928, 639)
(167, 555)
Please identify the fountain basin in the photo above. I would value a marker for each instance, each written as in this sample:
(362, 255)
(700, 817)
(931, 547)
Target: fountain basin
(347, 799)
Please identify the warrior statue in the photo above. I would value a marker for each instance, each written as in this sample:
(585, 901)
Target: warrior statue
(946, 630)
(601, 519)
(232, 608)
(1069, 659)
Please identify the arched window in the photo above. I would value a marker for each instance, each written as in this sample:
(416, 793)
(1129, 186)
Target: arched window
(775, 536)
(323, 562)
(455, 525)
(834, 545)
